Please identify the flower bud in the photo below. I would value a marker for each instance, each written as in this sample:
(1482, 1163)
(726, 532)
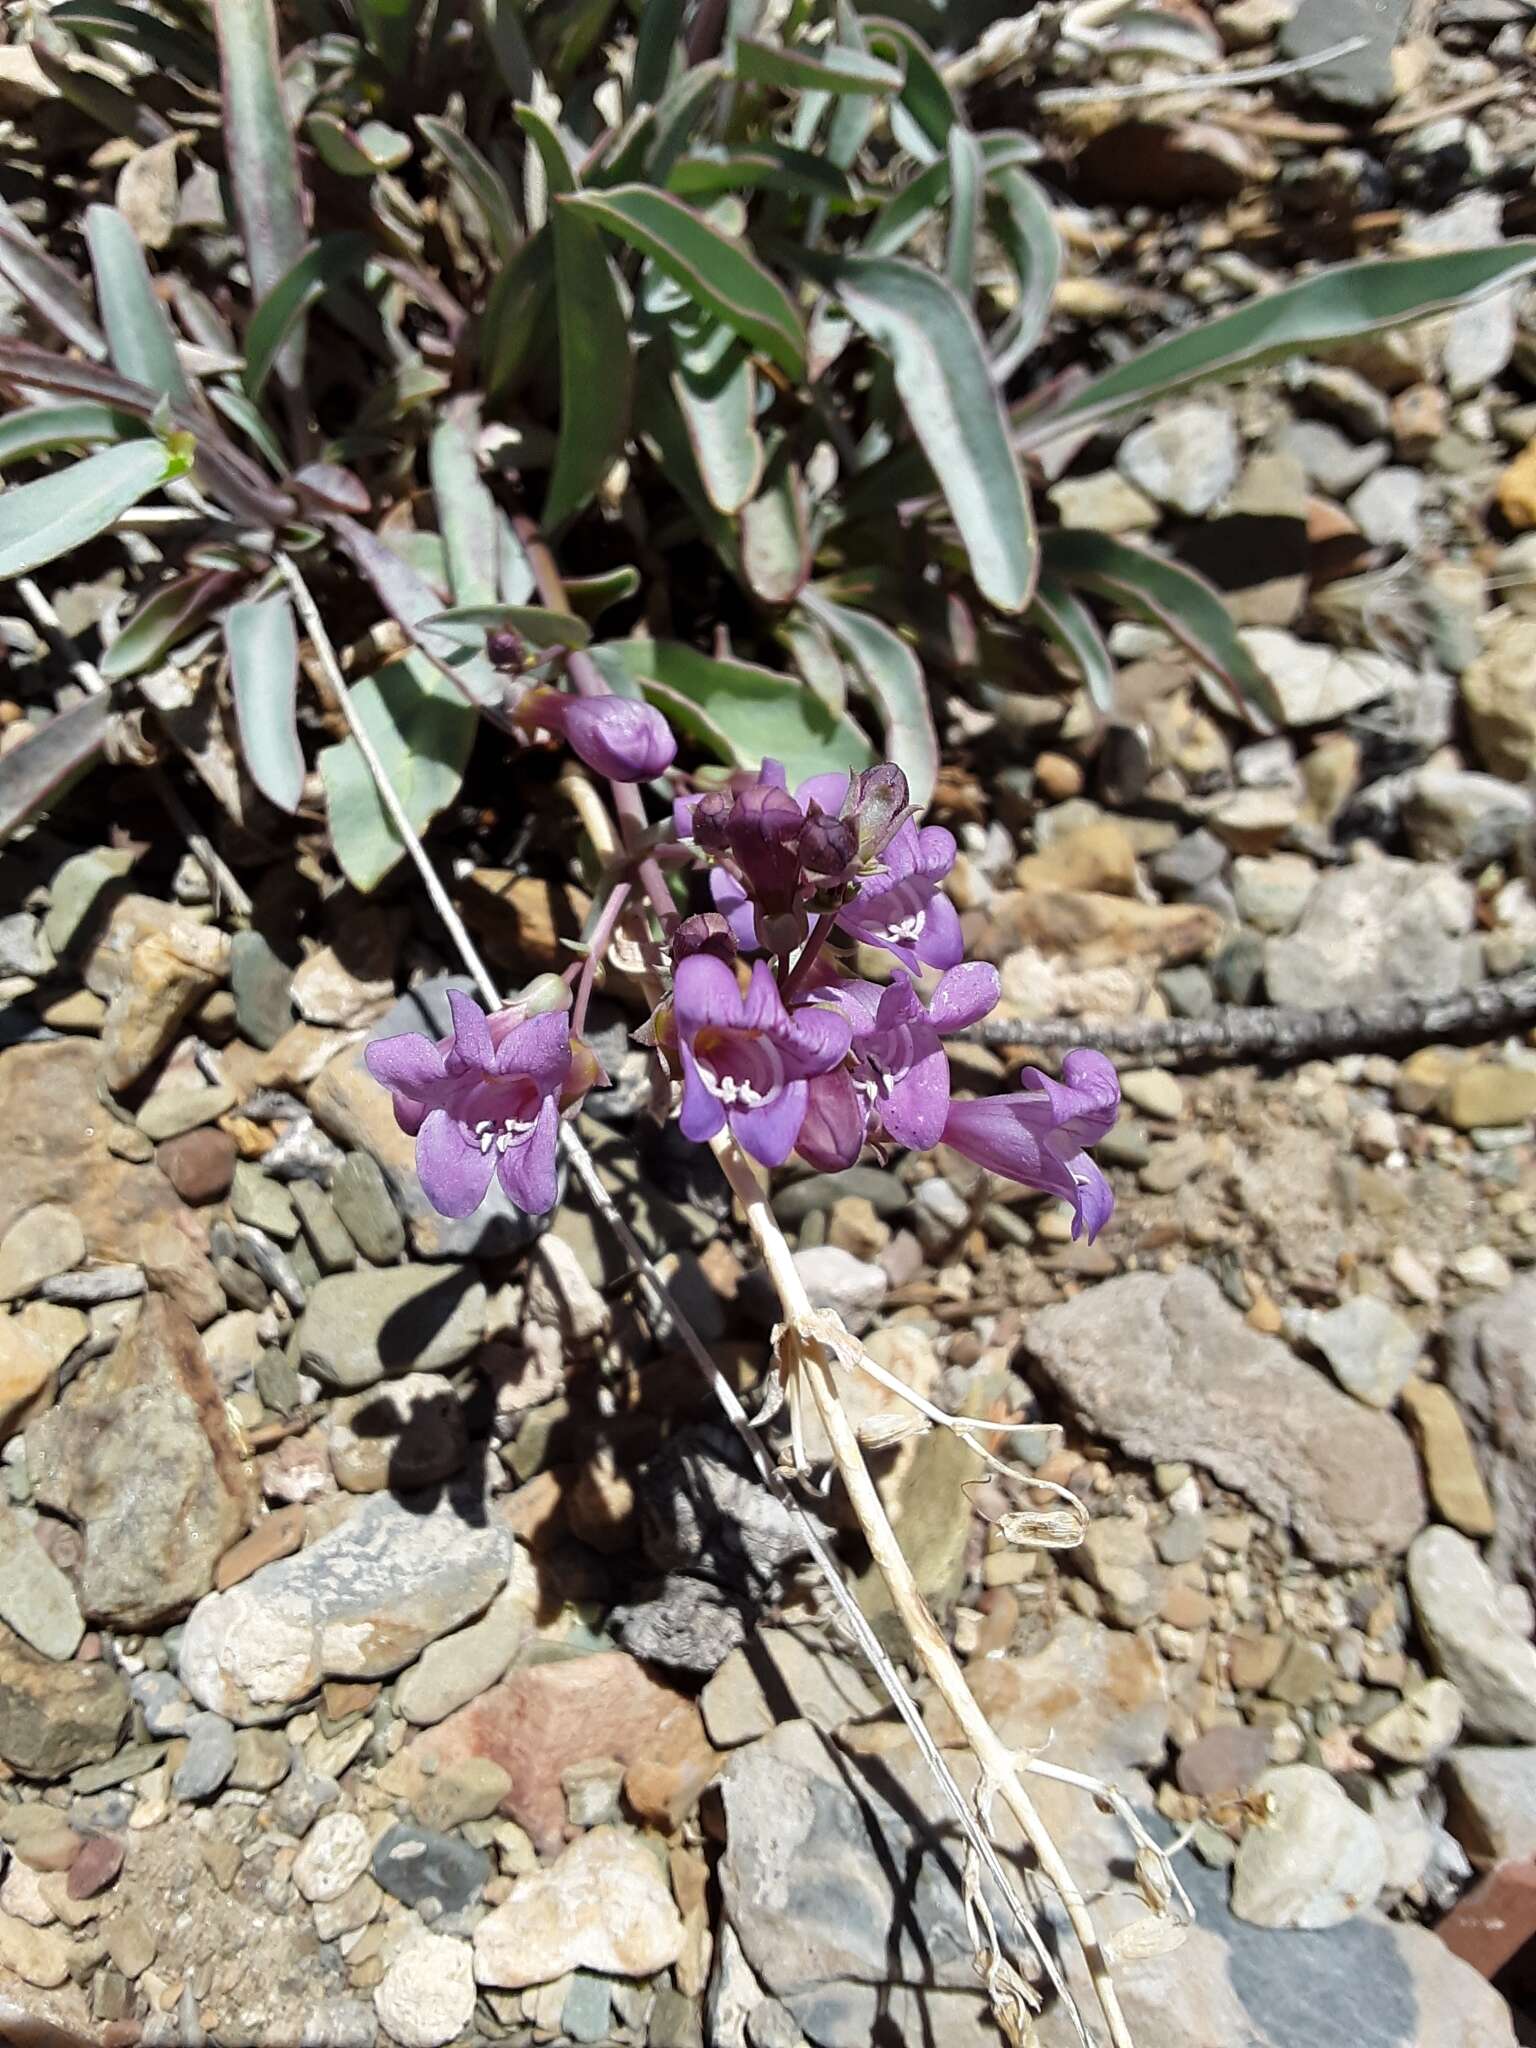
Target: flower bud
(705, 932)
(878, 801)
(828, 846)
(506, 649)
(615, 736)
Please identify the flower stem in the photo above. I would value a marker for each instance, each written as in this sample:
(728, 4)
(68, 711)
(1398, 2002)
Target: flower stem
(821, 931)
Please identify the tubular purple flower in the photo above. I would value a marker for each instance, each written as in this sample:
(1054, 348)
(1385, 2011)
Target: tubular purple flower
(896, 1082)
(747, 1060)
(486, 1099)
(618, 737)
(1040, 1135)
(901, 907)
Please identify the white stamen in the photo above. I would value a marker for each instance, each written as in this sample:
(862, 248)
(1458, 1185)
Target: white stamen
(503, 1135)
(907, 932)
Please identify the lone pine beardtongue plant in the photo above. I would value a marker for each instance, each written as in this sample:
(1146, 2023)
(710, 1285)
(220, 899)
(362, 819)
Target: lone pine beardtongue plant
(763, 1025)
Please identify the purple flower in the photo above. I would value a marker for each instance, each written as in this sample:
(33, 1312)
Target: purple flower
(1039, 1136)
(484, 1100)
(747, 1060)
(618, 737)
(900, 906)
(896, 1083)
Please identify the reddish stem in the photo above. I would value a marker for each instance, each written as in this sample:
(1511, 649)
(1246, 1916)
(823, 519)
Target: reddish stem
(601, 934)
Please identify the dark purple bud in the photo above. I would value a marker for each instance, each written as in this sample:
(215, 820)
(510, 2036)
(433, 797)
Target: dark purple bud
(615, 736)
(506, 649)
(764, 831)
(707, 932)
(712, 820)
(828, 846)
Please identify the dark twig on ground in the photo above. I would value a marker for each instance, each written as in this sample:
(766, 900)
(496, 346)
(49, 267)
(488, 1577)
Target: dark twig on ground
(1285, 1036)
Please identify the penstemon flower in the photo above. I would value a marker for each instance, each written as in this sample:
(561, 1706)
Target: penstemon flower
(615, 736)
(1040, 1135)
(746, 1059)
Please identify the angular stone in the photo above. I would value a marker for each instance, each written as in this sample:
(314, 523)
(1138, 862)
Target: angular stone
(1491, 1801)
(26, 1370)
(1486, 1094)
(1187, 458)
(358, 1327)
(1165, 1366)
(1450, 1466)
(172, 1112)
(1491, 1665)
(367, 1209)
(36, 1599)
(360, 1602)
(55, 1717)
(332, 1857)
(1370, 1347)
(168, 974)
(471, 1790)
(1421, 1727)
(1223, 1762)
(603, 1906)
(779, 1671)
(36, 1954)
(1376, 928)
(1498, 691)
(539, 1721)
(334, 1251)
(1491, 1372)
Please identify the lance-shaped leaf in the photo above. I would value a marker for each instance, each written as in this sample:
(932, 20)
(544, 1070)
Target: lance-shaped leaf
(466, 511)
(891, 676)
(809, 647)
(38, 429)
(410, 599)
(740, 712)
(1059, 612)
(715, 269)
(775, 533)
(139, 336)
(656, 50)
(830, 68)
(715, 383)
(264, 674)
(917, 202)
(516, 314)
(34, 773)
(48, 286)
(926, 111)
(966, 173)
(596, 370)
(948, 394)
(332, 261)
(479, 180)
(423, 731)
(468, 624)
(1170, 596)
(771, 166)
(680, 115)
(106, 21)
(166, 618)
(263, 157)
(1020, 218)
(559, 171)
(42, 520)
(1333, 306)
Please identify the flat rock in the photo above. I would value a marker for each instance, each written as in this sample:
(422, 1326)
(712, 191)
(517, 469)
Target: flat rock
(36, 1599)
(540, 1721)
(1491, 1373)
(604, 1906)
(1491, 1665)
(1316, 1859)
(56, 1151)
(1376, 928)
(404, 1435)
(457, 1669)
(1166, 1367)
(1186, 458)
(779, 1671)
(1450, 1465)
(360, 1602)
(415, 1864)
(348, 1103)
(1361, 80)
(55, 1717)
(1371, 1348)
(41, 1243)
(141, 1454)
(1316, 684)
(359, 1327)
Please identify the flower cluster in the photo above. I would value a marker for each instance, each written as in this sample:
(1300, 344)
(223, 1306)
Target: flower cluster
(766, 1026)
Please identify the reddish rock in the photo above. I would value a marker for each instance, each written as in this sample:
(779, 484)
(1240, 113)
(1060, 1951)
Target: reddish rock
(539, 1722)
(199, 1165)
(1489, 1925)
(95, 1867)
(1223, 1762)
(274, 1536)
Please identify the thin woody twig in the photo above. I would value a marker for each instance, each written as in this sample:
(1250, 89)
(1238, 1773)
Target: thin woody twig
(1489, 1010)
(1198, 82)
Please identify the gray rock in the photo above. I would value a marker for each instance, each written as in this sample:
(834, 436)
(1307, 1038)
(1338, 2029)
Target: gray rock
(1492, 1376)
(23, 949)
(73, 894)
(1315, 1860)
(1421, 1727)
(360, 1326)
(1316, 685)
(367, 1209)
(780, 1671)
(1186, 458)
(886, 1194)
(415, 1865)
(262, 984)
(688, 1624)
(460, 1667)
(1116, 1557)
(405, 1435)
(361, 1602)
(587, 2014)
(140, 1452)
(1465, 819)
(324, 1231)
(209, 1759)
(1333, 462)
(1376, 928)
(835, 1279)
(164, 1702)
(1165, 1366)
(1388, 508)
(263, 1203)
(56, 1717)
(36, 1599)
(1491, 1801)
(1470, 1642)
(1361, 80)
(1371, 1348)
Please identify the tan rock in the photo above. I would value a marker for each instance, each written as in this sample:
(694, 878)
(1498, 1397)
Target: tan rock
(1516, 491)
(1098, 929)
(274, 1536)
(1498, 690)
(43, 1242)
(1093, 857)
(1450, 1466)
(168, 975)
(26, 1370)
(1486, 1093)
(36, 1954)
(605, 1906)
